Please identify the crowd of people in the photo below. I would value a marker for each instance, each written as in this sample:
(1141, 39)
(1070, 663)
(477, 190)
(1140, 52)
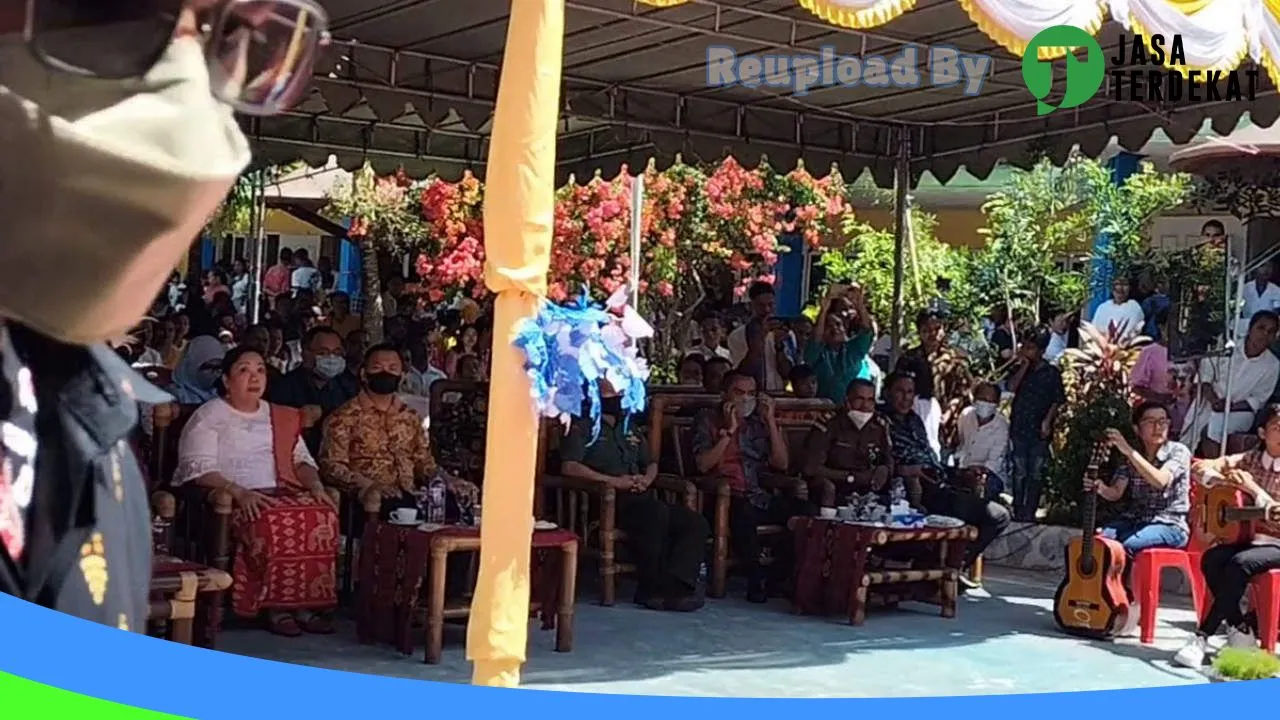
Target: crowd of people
(953, 441)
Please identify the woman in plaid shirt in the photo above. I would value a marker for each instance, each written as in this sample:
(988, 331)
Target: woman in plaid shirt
(1155, 481)
(1228, 569)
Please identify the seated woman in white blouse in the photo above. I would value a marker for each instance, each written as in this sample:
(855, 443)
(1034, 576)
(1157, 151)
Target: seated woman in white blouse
(285, 526)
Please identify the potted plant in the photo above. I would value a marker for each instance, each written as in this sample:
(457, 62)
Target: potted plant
(1244, 664)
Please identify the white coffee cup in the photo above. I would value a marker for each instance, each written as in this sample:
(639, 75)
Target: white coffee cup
(827, 513)
(404, 515)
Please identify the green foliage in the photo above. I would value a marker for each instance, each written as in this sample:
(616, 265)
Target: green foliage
(1242, 664)
(868, 259)
(234, 215)
(383, 209)
(1041, 216)
(1096, 380)
(1126, 212)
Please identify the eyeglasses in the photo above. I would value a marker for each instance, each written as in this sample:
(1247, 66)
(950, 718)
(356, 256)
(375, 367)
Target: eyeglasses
(260, 53)
(1161, 423)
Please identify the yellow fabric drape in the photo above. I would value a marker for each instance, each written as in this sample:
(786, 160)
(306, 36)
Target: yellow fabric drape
(517, 231)
(857, 18)
(1273, 7)
(1189, 7)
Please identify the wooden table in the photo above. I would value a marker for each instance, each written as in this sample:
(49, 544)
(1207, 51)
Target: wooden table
(836, 566)
(394, 561)
(176, 586)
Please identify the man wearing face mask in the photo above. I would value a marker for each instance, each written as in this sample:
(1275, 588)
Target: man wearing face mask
(321, 380)
(739, 441)
(667, 542)
(119, 141)
(374, 445)
(929, 482)
(851, 453)
(984, 440)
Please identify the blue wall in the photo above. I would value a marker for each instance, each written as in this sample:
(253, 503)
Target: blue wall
(1122, 166)
(208, 253)
(350, 278)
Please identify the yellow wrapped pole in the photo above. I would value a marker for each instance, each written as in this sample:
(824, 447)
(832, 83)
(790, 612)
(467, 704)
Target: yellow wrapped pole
(518, 218)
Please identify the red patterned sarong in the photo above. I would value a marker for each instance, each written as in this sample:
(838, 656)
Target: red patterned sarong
(287, 558)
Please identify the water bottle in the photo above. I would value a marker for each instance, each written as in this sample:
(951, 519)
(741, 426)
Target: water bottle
(436, 500)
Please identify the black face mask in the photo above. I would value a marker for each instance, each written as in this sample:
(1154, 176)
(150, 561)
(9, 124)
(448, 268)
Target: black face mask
(611, 405)
(383, 383)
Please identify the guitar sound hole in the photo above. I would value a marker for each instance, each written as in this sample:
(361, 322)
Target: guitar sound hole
(1087, 565)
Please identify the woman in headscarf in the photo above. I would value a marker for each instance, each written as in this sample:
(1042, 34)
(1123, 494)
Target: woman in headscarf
(198, 371)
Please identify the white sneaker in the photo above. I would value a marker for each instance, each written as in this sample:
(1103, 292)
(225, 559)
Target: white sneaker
(1242, 638)
(1192, 654)
(1130, 626)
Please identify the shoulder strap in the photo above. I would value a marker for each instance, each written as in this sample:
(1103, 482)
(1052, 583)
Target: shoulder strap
(286, 429)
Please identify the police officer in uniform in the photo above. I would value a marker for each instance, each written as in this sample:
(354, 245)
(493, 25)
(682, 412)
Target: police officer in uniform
(117, 130)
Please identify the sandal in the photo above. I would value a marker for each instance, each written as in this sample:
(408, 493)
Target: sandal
(317, 624)
(284, 625)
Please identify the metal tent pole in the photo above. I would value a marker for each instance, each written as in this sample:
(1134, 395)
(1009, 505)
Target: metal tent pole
(901, 183)
(637, 216)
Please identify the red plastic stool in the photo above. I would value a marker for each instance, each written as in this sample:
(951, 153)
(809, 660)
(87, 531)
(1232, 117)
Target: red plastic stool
(1146, 583)
(1265, 590)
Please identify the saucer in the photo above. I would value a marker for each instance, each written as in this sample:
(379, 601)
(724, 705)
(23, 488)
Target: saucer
(942, 521)
(404, 523)
(544, 525)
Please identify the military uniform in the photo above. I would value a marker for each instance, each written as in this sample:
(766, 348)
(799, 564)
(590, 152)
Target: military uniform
(667, 542)
(83, 543)
(847, 455)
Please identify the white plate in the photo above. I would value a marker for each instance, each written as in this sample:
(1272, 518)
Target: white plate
(942, 521)
(544, 525)
(430, 527)
(404, 523)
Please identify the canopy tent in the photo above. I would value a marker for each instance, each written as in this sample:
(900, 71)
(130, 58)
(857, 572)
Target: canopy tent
(413, 83)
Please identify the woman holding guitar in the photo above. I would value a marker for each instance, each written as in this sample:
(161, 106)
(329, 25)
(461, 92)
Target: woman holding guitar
(1157, 481)
(1229, 568)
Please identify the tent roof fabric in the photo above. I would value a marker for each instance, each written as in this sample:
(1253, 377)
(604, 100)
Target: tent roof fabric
(412, 84)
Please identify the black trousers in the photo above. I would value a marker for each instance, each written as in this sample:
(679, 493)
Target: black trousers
(667, 543)
(1227, 571)
(989, 517)
(744, 518)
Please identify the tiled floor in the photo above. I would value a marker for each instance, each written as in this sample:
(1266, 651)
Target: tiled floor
(1004, 642)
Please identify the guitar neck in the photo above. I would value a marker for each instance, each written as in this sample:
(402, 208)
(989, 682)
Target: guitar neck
(1243, 514)
(1089, 511)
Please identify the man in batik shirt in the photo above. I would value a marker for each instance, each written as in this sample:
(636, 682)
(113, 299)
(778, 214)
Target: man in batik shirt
(375, 445)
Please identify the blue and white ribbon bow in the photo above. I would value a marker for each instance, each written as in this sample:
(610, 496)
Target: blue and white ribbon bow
(570, 348)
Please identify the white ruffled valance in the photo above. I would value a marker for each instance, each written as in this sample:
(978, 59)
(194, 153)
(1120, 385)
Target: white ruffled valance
(1216, 34)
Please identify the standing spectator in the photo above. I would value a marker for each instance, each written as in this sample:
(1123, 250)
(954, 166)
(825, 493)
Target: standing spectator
(1059, 335)
(215, 284)
(1038, 396)
(1259, 295)
(712, 344)
(468, 345)
(836, 356)
(328, 279)
(276, 282)
(305, 277)
(241, 285)
(1121, 317)
(1154, 302)
(752, 346)
(714, 372)
(690, 370)
(341, 319)
(391, 296)
(919, 362)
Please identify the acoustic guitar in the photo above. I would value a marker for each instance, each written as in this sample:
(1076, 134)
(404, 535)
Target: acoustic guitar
(1227, 514)
(1091, 601)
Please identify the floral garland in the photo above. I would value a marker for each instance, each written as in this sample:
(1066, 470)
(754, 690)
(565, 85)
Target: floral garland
(696, 224)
